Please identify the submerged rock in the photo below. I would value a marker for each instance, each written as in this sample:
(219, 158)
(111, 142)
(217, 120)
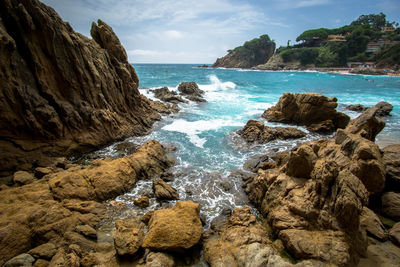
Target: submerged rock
(142, 202)
(62, 92)
(316, 111)
(174, 229)
(255, 131)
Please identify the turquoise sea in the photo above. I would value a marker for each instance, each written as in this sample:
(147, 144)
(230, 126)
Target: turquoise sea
(204, 133)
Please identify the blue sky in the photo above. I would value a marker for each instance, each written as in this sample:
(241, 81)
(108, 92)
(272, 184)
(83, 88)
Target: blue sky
(199, 31)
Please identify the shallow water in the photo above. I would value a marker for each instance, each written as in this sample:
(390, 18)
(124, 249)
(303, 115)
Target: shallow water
(204, 133)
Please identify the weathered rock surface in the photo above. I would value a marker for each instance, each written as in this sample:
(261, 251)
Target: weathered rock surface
(174, 229)
(366, 125)
(24, 260)
(391, 157)
(159, 259)
(380, 254)
(23, 177)
(128, 236)
(256, 131)
(394, 234)
(372, 224)
(62, 92)
(191, 91)
(166, 95)
(55, 209)
(384, 108)
(142, 202)
(45, 251)
(313, 199)
(391, 205)
(315, 111)
(163, 191)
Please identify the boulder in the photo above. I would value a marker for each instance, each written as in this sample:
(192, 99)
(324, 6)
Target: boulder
(174, 229)
(45, 251)
(366, 125)
(391, 205)
(159, 259)
(24, 260)
(356, 107)
(87, 231)
(256, 162)
(391, 157)
(166, 95)
(191, 91)
(62, 93)
(309, 109)
(372, 224)
(128, 236)
(163, 191)
(384, 108)
(23, 177)
(142, 202)
(394, 234)
(255, 131)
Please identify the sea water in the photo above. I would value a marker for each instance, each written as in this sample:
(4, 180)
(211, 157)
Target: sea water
(208, 147)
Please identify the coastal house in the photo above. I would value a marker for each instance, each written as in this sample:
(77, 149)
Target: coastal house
(336, 38)
(373, 47)
(361, 65)
(388, 29)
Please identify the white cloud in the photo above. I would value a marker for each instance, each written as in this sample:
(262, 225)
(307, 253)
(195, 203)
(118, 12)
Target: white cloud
(290, 4)
(173, 34)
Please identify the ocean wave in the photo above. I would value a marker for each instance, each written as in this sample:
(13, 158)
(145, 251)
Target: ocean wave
(217, 85)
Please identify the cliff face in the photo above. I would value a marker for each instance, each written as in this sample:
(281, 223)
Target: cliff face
(252, 53)
(62, 92)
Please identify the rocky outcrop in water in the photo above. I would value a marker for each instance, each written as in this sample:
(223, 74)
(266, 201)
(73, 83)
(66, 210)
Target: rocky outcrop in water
(166, 95)
(252, 53)
(63, 208)
(314, 200)
(191, 91)
(255, 131)
(62, 92)
(315, 111)
(384, 108)
(163, 191)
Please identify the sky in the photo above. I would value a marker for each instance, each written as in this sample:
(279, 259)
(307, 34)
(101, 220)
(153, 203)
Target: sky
(200, 31)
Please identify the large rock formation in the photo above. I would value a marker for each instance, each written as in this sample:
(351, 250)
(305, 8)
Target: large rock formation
(62, 92)
(314, 199)
(256, 131)
(63, 207)
(252, 53)
(315, 111)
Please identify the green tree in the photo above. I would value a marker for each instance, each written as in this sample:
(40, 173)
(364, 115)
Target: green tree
(376, 21)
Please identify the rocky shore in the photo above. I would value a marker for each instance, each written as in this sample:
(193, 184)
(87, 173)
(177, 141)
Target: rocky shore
(330, 202)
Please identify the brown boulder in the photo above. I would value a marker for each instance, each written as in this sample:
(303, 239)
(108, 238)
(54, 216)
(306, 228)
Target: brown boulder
(309, 109)
(384, 108)
(45, 251)
(391, 157)
(23, 177)
(255, 131)
(191, 91)
(391, 205)
(159, 259)
(62, 92)
(366, 125)
(373, 225)
(163, 191)
(174, 229)
(128, 236)
(394, 234)
(24, 260)
(166, 95)
(142, 202)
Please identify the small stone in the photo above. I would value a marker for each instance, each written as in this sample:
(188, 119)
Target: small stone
(87, 231)
(142, 202)
(23, 260)
(164, 191)
(45, 251)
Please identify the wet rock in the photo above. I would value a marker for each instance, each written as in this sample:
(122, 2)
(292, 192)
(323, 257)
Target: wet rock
(87, 231)
(45, 251)
(166, 95)
(142, 202)
(128, 236)
(110, 178)
(226, 184)
(24, 260)
(394, 234)
(239, 174)
(167, 177)
(23, 177)
(366, 125)
(373, 225)
(219, 222)
(255, 131)
(256, 162)
(163, 191)
(42, 95)
(174, 229)
(391, 205)
(164, 108)
(125, 149)
(104, 254)
(195, 98)
(308, 109)
(384, 108)
(190, 88)
(62, 258)
(159, 259)
(356, 107)
(391, 157)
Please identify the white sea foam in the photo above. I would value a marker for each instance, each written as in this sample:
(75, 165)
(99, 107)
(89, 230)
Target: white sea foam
(193, 128)
(217, 85)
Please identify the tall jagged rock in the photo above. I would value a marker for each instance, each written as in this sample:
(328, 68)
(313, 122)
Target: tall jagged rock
(62, 92)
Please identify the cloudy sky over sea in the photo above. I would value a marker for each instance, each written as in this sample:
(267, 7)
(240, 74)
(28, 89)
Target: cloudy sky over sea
(199, 31)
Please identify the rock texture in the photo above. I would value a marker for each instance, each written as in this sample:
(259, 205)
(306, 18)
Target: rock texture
(384, 108)
(166, 95)
(391, 157)
(372, 224)
(315, 111)
(191, 91)
(391, 205)
(62, 206)
(128, 236)
(163, 191)
(62, 92)
(255, 131)
(313, 200)
(174, 229)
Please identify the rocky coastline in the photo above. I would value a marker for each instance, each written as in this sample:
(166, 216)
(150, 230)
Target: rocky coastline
(329, 202)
